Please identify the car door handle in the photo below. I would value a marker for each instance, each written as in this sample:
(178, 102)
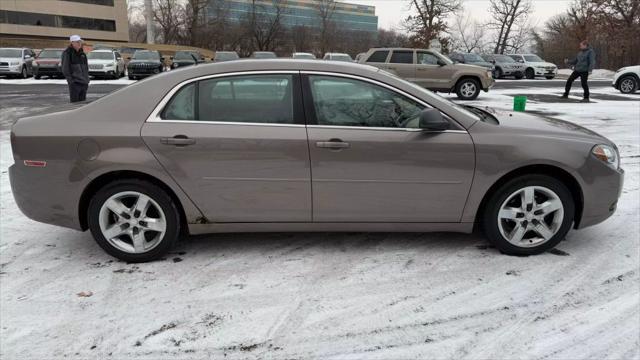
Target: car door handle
(334, 144)
(178, 140)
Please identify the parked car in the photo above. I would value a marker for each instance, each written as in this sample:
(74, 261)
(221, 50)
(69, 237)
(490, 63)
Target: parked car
(627, 79)
(48, 63)
(186, 58)
(225, 56)
(105, 64)
(16, 62)
(431, 70)
(303, 55)
(359, 56)
(337, 57)
(505, 66)
(263, 55)
(470, 59)
(145, 63)
(535, 66)
(230, 147)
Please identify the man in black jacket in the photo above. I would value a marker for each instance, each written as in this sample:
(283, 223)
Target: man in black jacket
(582, 67)
(76, 69)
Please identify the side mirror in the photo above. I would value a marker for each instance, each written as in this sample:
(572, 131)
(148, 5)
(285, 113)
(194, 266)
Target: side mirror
(162, 59)
(432, 119)
(27, 57)
(441, 63)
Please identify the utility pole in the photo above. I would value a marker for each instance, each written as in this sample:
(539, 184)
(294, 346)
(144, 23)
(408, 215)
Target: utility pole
(148, 15)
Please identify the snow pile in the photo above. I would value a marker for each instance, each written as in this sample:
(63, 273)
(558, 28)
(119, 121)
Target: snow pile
(597, 74)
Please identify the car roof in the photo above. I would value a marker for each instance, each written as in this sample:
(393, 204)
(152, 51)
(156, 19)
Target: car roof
(13, 48)
(53, 49)
(103, 50)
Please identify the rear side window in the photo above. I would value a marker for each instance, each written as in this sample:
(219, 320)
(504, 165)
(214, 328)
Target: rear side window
(402, 57)
(182, 105)
(378, 56)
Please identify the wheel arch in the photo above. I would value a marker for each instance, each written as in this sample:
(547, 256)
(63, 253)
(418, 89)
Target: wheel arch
(539, 169)
(96, 184)
(625, 75)
(463, 77)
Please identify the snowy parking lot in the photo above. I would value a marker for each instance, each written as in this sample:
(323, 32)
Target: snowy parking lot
(328, 295)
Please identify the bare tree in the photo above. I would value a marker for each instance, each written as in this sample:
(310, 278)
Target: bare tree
(265, 27)
(301, 38)
(169, 15)
(505, 14)
(466, 33)
(195, 21)
(392, 38)
(429, 20)
(326, 9)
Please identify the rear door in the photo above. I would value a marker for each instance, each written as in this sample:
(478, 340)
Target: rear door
(402, 63)
(237, 145)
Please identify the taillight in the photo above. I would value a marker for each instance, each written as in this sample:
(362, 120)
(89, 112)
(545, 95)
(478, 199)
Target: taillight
(35, 163)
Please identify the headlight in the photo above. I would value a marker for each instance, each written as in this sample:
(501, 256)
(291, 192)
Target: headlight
(607, 154)
(489, 74)
(14, 63)
(174, 65)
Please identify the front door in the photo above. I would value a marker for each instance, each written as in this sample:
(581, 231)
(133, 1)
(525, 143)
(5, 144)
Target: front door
(431, 75)
(238, 147)
(371, 163)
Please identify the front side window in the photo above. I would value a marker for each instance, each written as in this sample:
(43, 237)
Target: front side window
(402, 57)
(427, 58)
(348, 102)
(378, 56)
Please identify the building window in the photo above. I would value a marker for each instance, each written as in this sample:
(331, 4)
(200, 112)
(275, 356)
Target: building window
(95, 2)
(61, 21)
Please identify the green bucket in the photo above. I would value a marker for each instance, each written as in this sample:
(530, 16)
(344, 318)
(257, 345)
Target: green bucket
(519, 103)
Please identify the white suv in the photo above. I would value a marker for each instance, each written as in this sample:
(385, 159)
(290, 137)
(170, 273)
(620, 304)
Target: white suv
(106, 64)
(535, 66)
(627, 79)
(16, 62)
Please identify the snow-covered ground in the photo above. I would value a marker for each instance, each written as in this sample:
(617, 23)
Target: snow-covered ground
(336, 296)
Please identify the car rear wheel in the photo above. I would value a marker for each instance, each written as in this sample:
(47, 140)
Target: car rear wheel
(468, 89)
(628, 85)
(529, 73)
(497, 73)
(24, 72)
(528, 215)
(134, 220)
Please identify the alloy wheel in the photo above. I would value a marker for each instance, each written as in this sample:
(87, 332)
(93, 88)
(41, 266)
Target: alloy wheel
(627, 86)
(530, 216)
(468, 89)
(132, 222)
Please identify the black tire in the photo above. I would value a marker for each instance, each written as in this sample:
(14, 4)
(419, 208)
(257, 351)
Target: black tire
(131, 77)
(519, 75)
(549, 77)
(158, 195)
(492, 207)
(37, 77)
(497, 73)
(23, 73)
(529, 74)
(467, 81)
(628, 80)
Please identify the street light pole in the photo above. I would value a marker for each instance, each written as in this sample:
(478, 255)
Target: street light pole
(148, 15)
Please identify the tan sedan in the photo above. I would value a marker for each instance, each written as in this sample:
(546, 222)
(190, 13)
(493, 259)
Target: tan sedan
(431, 70)
(305, 145)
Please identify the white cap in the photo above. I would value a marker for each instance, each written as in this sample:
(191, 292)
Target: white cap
(75, 38)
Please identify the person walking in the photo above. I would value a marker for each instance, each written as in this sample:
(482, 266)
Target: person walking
(582, 67)
(76, 69)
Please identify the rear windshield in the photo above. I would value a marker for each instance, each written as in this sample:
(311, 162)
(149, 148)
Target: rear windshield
(303, 56)
(226, 56)
(100, 55)
(10, 53)
(50, 54)
(264, 55)
(146, 55)
(341, 57)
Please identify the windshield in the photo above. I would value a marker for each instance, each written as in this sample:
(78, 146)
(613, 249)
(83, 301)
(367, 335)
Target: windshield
(264, 55)
(342, 57)
(146, 55)
(186, 55)
(303, 56)
(533, 58)
(10, 53)
(50, 54)
(100, 55)
(473, 58)
(221, 56)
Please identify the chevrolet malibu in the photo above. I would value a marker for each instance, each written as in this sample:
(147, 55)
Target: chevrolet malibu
(303, 145)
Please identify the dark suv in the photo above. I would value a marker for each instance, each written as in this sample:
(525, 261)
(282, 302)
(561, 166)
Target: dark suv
(186, 58)
(145, 63)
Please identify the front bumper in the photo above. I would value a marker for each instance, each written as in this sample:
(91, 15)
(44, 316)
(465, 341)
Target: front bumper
(11, 70)
(545, 72)
(102, 72)
(601, 192)
(47, 70)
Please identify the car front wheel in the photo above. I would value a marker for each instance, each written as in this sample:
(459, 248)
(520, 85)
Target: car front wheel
(497, 73)
(529, 73)
(628, 85)
(134, 220)
(468, 89)
(528, 215)
(24, 72)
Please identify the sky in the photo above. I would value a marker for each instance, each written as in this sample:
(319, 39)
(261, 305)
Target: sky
(392, 12)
